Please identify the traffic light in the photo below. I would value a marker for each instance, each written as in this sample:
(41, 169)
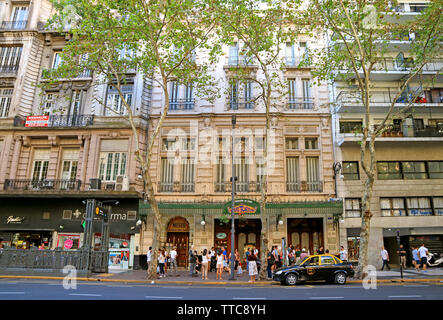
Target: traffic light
(100, 211)
(83, 224)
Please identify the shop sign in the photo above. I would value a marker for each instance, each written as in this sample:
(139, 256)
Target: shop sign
(12, 219)
(37, 121)
(221, 235)
(178, 224)
(68, 244)
(243, 206)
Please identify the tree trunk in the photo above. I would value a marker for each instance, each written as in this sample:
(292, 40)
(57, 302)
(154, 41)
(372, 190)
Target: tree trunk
(363, 259)
(152, 271)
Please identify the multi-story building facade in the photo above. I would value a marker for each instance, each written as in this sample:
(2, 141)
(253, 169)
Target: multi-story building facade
(58, 145)
(192, 161)
(408, 190)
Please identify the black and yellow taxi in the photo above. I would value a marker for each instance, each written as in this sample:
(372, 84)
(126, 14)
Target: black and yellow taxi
(313, 268)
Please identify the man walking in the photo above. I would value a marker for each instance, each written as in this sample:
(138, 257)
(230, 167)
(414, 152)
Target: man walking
(402, 253)
(385, 257)
(415, 258)
(423, 255)
(173, 257)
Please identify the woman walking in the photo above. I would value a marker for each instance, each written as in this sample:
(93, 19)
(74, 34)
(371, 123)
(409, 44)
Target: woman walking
(219, 265)
(237, 260)
(252, 258)
(161, 263)
(205, 264)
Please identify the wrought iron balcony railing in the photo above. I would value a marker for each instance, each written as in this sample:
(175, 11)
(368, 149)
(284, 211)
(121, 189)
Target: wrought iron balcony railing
(187, 187)
(313, 186)
(14, 25)
(181, 105)
(241, 105)
(399, 130)
(166, 187)
(42, 185)
(78, 120)
(300, 103)
(293, 186)
(9, 69)
(46, 74)
(240, 61)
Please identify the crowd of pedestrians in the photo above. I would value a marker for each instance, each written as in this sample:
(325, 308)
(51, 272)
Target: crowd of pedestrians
(218, 260)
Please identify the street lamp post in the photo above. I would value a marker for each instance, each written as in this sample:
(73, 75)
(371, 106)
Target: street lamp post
(232, 276)
(399, 254)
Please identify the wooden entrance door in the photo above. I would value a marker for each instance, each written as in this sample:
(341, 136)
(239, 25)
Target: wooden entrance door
(178, 236)
(181, 241)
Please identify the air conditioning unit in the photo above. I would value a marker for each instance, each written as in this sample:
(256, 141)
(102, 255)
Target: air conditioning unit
(122, 183)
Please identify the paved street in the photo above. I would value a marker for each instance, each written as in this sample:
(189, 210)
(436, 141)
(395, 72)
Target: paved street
(11, 289)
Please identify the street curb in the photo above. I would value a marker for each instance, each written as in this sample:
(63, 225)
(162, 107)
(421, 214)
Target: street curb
(208, 282)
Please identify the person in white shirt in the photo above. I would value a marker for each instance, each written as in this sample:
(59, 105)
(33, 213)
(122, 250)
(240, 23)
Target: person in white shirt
(385, 257)
(205, 264)
(173, 256)
(423, 255)
(148, 258)
(343, 254)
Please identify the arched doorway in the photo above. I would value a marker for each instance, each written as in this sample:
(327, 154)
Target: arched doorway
(178, 235)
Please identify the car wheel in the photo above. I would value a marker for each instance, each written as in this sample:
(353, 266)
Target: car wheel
(340, 278)
(291, 279)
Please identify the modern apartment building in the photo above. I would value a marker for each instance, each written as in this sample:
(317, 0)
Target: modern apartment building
(192, 163)
(59, 146)
(408, 191)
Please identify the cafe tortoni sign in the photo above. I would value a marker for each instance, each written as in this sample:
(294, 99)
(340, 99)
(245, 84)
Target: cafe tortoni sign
(243, 207)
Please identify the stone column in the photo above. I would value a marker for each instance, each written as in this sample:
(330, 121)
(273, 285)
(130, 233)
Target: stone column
(87, 140)
(15, 157)
(4, 159)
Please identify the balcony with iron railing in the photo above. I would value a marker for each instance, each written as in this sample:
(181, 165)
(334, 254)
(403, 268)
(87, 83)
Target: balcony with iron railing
(385, 98)
(181, 104)
(304, 186)
(240, 61)
(166, 187)
(300, 103)
(59, 121)
(13, 25)
(187, 186)
(42, 185)
(297, 62)
(8, 69)
(412, 131)
(241, 105)
(397, 132)
(85, 74)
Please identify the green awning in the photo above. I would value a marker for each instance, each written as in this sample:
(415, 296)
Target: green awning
(216, 209)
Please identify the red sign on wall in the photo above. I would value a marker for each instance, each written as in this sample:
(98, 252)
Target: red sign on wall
(37, 121)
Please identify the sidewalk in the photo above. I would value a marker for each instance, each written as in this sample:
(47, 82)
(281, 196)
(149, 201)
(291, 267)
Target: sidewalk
(183, 277)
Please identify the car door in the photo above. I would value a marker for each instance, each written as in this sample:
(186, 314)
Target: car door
(311, 268)
(327, 267)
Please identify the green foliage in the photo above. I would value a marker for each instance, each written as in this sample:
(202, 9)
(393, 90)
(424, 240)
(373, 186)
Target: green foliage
(157, 38)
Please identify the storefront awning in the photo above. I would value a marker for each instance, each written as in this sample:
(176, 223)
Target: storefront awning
(216, 209)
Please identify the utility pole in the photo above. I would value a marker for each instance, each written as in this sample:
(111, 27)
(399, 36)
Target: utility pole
(399, 254)
(87, 241)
